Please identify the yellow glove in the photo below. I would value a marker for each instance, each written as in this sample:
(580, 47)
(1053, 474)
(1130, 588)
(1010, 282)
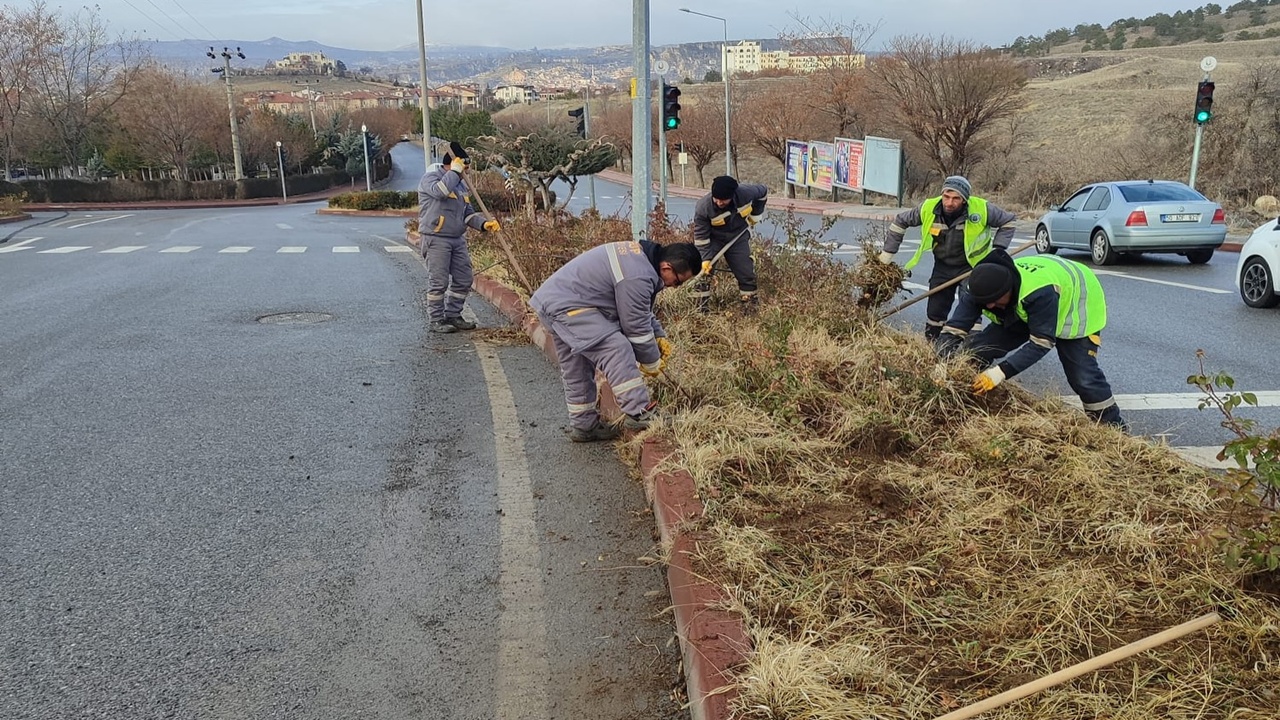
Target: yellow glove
(706, 267)
(458, 165)
(886, 257)
(753, 219)
(491, 226)
(664, 348)
(745, 212)
(988, 379)
(652, 369)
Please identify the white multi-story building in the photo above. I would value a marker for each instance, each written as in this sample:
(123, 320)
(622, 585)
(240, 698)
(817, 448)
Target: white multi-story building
(747, 56)
(743, 57)
(523, 94)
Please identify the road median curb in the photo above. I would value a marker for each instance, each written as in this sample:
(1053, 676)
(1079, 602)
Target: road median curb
(712, 641)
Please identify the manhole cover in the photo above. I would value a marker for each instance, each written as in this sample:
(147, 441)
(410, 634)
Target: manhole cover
(295, 318)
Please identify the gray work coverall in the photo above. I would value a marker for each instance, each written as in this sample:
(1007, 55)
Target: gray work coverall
(713, 228)
(598, 309)
(444, 214)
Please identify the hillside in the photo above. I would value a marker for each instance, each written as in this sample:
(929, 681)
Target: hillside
(1211, 23)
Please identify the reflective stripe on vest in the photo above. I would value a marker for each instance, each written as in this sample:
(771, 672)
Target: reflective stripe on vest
(1082, 309)
(977, 236)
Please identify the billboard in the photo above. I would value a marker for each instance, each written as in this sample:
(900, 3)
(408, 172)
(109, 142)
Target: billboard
(822, 162)
(797, 163)
(848, 167)
(882, 166)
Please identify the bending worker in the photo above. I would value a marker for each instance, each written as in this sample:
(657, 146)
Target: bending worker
(598, 309)
(960, 230)
(444, 214)
(721, 216)
(1035, 304)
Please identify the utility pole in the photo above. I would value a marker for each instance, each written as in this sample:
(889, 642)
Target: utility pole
(231, 105)
(422, 89)
(586, 125)
(311, 102)
(284, 189)
(641, 137)
(368, 177)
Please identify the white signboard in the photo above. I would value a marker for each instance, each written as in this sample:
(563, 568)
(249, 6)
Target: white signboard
(882, 166)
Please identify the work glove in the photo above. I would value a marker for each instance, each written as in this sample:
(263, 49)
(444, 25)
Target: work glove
(458, 165)
(652, 369)
(886, 257)
(706, 267)
(664, 348)
(988, 379)
(745, 212)
(753, 219)
(491, 226)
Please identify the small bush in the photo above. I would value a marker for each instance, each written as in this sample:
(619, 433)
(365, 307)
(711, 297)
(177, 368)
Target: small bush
(11, 205)
(376, 200)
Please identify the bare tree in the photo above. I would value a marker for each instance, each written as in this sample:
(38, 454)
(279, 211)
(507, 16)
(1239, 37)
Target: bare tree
(532, 162)
(948, 93)
(776, 117)
(22, 39)
(79, 76)
(837, 88)
(701, 134)
(171, 117)
(614, 125)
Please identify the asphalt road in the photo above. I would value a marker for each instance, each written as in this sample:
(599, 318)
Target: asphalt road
(239, 480)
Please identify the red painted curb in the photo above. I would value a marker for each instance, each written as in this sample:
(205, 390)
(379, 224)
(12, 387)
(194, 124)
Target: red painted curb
(14, 218)
(711, 641)
(407, 213)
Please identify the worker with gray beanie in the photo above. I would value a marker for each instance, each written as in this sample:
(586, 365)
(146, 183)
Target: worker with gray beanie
(723, 218)
(960, 229)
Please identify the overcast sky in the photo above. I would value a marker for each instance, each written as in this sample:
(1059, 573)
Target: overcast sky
(520, 24)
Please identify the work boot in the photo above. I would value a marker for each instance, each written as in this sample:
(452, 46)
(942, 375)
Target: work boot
(596, 433)
(649, 417)
(932, 332)
(443, 326)
(460, 324)
(750, 303)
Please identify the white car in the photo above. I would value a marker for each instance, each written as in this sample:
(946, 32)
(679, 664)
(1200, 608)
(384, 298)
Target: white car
(1259, 262)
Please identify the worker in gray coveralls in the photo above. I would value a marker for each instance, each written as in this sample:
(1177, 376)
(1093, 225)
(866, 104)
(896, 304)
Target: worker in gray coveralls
(444, 214)
(598, 309)
(726, 213)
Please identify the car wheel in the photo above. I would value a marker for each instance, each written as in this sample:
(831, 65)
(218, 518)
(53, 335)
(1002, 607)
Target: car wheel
(1043, 246)
(1100, 248)
(1258, 284)
(1199, 257)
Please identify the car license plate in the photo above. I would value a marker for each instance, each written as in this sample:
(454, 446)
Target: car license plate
(1181, 217)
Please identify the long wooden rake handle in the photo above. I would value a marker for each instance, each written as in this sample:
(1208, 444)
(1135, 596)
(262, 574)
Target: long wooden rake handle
(502, 240)
(1081, 668)
(943, 286)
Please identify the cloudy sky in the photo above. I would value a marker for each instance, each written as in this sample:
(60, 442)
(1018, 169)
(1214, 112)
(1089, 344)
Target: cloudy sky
(389, 24)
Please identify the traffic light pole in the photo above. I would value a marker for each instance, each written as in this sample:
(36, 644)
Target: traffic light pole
(586, 126)
(641, 160)
(662, 146)
(1203, 113)
(1195, 155)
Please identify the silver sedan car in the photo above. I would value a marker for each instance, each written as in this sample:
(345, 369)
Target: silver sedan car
(1110, 219)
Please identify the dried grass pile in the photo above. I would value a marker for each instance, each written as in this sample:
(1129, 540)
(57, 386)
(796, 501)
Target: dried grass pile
(900, 548)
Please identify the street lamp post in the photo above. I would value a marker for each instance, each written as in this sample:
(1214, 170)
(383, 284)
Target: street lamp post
(724, 55)
(284, 190)
(368, 177)
(423, 103)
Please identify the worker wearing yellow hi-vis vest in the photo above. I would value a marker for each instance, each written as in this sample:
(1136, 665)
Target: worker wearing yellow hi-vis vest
(960, 230)
(1035, 304)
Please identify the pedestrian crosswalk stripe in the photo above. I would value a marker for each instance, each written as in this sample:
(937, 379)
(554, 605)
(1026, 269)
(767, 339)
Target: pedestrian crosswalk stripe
(398, 248)
(236, 249)
(1174, 401)
(346, 248)
(122, 249)
(181, 249)
(292, 249)
(65, 249)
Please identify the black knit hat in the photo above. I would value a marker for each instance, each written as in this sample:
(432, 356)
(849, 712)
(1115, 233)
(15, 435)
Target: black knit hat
(455, 151)
(723, 188)
(989, 282)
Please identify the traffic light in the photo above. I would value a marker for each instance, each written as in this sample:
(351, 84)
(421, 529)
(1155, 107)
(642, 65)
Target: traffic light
(582, 121)
(670, 107)
(1204, 102)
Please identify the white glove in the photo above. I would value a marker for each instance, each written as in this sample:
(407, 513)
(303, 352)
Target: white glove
(988, 379)
(886, 257)
(753, 219)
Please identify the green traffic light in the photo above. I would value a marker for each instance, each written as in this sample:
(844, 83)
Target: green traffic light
(1202, 116)
(673, 123)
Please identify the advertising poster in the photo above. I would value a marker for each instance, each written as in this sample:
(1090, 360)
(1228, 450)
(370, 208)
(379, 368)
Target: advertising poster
(848, 170)
(822, 164)
(797, 162)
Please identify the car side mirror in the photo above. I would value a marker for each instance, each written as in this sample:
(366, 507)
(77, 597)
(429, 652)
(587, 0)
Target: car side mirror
(1055, 208)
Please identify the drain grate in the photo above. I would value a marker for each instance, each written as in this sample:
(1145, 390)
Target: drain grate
(295, 318)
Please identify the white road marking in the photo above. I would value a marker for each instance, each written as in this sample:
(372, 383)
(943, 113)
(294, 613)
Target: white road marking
(65, 249)
(346, 248)
(398, 248)
(914, 286)
(236, 249)
(7, 248)
(1205, 456)
(122, 249)
(292, 249)
(1201, 288)
(181, 249)
(1173, 401)
(284, 226)
(95, 222)
(523, 669)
